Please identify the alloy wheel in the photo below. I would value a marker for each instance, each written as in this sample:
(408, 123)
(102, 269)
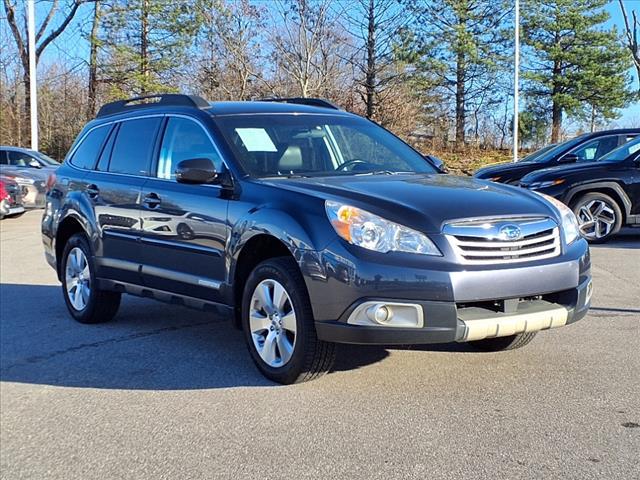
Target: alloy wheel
(596, 219)
(272, 321)
(78, 279)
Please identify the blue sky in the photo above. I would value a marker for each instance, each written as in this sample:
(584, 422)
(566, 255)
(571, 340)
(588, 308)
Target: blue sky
(631, 113)
(73, 49)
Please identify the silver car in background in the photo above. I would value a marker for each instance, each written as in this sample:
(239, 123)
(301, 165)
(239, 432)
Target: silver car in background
(30, 170)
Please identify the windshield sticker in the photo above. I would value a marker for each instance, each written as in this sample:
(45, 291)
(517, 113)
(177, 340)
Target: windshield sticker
(256, 140)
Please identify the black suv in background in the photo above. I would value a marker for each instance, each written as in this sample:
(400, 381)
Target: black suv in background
(584, 148)
(309, 226)
(604, 195)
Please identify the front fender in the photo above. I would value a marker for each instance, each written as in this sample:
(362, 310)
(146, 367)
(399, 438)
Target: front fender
(571, 193)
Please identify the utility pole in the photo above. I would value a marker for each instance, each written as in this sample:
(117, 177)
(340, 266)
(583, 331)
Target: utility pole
(516, 75)
(33, 91)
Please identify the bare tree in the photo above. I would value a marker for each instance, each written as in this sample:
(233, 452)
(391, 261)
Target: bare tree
(306, 45)
(229, 68)
(42, 41)
(93, 60)
(631, 31)
(375, 25)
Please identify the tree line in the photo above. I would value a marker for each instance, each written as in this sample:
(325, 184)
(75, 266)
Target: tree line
(436, 72)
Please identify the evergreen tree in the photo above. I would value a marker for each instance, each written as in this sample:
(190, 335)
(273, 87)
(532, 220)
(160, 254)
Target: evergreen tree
(145, 43)
(465, 43)
(576, 66)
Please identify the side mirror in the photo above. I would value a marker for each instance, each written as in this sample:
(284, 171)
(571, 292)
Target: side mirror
(196, 170)
(438, 163)
(33, 163)
(569, 158)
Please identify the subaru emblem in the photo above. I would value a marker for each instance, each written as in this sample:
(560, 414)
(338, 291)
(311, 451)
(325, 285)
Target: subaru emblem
(510, 232)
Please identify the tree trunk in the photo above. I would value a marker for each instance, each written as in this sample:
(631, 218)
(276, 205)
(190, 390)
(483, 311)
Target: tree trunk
(370, 80)
(460, 100)
(27, 101)
(144, 46)
(93, 62)
(556, 109)
(556, 122)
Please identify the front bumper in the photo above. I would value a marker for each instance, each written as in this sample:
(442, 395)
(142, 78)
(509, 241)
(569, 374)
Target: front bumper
(453, 298)
(447, 322)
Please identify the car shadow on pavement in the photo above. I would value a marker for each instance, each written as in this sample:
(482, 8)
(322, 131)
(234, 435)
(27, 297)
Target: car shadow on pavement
(626, 238)
(148, 346)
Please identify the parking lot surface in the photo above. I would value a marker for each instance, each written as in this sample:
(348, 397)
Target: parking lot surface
(166, 392)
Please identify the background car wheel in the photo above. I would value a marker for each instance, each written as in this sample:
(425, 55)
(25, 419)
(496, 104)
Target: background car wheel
(279, 327)
(503, 343)
(86, 303)
(599, 216)
(186, 232)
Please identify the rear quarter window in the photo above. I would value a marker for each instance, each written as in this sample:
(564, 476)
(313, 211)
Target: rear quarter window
(86, 154)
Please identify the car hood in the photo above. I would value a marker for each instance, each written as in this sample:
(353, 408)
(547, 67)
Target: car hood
(496, 170)
(424, 202)
(563, 170)
(33, 173)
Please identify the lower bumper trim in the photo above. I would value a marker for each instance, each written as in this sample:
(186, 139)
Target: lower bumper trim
(478, 323)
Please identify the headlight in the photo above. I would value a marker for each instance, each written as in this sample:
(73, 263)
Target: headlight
(550, 183)
(372, 232)
(570, 226)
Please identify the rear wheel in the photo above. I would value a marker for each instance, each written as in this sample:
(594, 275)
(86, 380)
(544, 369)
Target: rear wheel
(85, 301)
(279, 327)
(599, 216)
(503, 343)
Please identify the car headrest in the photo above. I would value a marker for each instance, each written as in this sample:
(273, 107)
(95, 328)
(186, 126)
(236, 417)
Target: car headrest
(291, 159)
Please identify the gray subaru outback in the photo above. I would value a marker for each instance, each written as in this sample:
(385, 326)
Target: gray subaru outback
(309, 227)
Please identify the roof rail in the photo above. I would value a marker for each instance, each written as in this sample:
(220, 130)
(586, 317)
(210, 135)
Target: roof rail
(313, 102)
(158, 100)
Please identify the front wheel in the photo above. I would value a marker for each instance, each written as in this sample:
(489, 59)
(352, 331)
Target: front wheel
(279, 327)
(599, 216)
(85, 301)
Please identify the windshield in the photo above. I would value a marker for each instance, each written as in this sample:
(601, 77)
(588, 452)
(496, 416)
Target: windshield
(317, 145)
(532, 156)
(47, 161)
(623, 152)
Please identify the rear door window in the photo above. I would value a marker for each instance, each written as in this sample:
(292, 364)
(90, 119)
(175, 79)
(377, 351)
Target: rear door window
(133, 146)
(86, 154)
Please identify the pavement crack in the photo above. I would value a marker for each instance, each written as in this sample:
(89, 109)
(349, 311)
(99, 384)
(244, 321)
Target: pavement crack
(110, 341)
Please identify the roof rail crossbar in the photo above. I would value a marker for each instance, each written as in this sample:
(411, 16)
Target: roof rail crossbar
(164, 100)
(313, 102)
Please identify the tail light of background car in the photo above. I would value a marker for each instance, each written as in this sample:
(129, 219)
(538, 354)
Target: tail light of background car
(51, 181)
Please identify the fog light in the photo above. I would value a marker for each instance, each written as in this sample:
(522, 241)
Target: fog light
(589, 292)
(380, 314)
(387, 314)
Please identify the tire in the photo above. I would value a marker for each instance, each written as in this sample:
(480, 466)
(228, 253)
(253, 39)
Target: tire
(296, 355)
(503, 343)
(185, 232)
(597, 225)
(96, 306)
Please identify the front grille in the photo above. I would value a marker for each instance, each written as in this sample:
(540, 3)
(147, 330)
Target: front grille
(485, 241)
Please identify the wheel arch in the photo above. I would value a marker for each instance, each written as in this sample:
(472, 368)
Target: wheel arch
(611, 189)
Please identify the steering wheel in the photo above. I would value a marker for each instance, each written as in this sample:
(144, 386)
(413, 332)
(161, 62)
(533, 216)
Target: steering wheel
(349, 164)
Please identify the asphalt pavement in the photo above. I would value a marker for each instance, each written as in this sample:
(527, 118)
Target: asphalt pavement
(164, 392)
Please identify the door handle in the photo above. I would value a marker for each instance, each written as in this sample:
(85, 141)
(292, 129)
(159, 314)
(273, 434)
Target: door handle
(151, 200)
(92, 190)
